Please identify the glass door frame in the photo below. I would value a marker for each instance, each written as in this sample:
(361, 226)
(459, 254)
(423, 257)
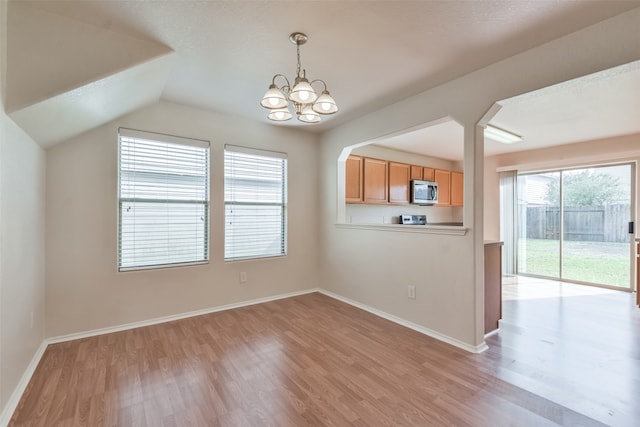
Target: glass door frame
(633, 285)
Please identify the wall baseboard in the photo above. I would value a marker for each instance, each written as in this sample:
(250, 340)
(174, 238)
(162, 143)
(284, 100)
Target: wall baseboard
(492, 333)
(431, 333)
(172, 317)
(14, 399)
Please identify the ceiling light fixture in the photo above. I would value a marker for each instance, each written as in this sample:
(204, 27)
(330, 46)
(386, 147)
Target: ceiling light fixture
(501, 135)
(306, 103)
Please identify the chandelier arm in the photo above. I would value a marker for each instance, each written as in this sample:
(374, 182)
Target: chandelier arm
(288, 85)
(319, 80)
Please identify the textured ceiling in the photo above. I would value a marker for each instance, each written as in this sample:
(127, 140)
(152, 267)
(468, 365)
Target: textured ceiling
(370, 53)
(598, 106)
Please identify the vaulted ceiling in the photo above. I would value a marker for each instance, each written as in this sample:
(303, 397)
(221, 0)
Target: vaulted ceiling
(74, 65)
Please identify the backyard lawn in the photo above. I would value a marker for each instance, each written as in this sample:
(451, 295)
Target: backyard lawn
(595, 262)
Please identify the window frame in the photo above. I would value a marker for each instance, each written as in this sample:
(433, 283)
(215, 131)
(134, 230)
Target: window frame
(206, 203)
(284, 203)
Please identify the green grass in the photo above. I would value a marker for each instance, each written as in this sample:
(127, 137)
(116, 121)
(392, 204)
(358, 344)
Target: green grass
(594, 262)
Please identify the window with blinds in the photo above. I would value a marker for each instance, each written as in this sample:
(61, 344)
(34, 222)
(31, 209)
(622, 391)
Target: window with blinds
(255, 198)
(163, 200)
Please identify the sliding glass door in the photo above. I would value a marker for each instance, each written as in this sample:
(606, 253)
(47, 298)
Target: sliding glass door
(574, 225)
(597, 211)
(538, 225)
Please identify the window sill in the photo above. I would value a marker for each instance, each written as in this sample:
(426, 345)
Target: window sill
(453, 230)
(161, 266)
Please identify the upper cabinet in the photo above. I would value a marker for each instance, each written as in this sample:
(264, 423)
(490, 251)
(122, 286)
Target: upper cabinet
(416, 172)
(375, 180)
(428, 174)
(399, 176)
(457, 188)
(443, 178)
(353, 179)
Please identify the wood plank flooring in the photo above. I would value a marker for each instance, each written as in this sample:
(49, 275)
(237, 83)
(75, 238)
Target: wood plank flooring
(578, 346)
(314, 361)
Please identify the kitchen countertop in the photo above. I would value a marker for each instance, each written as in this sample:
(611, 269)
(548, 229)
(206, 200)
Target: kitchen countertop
(429, 228)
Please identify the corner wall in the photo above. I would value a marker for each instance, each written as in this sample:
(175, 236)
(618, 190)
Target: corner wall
(85, 291)
(374, 267)
(22, 234)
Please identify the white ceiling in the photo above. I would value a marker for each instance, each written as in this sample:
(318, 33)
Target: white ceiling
(598, 106)
(370, 53)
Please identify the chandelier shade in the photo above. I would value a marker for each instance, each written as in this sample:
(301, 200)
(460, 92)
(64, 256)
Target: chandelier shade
(274, 98)
(302, 97)
(308, 115)
(280, 114)
(325, 104)
(303, 92)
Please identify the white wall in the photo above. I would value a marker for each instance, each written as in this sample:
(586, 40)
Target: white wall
(84, 289)
(374, 267)
(491, 199)
(22, 196)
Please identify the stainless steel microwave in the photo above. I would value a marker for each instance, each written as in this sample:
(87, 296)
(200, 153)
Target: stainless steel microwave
(424, 192)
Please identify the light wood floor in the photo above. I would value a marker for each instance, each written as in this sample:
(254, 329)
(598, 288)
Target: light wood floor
(576, 345)
(312, 360)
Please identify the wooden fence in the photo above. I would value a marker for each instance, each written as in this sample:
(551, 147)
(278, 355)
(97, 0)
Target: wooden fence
(607, 223)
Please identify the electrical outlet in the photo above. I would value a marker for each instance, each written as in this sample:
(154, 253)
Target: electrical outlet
(411, 292)
(243, 277)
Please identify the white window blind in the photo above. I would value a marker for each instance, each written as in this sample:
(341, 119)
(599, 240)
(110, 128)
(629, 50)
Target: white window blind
(163, 200)
(255, 198)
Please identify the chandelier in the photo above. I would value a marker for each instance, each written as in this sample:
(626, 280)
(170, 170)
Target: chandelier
(306, 103)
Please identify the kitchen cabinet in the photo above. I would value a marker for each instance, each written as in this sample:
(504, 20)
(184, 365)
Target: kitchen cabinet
(428, 174)
(416, 172)
(375, 180)
(443, 178)
(353, 179)
(457, 188)
(492, 285)
(399, 175)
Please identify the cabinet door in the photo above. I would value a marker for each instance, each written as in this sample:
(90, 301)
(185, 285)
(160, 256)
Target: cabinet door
(399, 175)
(375, 181)
(428, 174)
(416, 172)
(492, 286)
(353, 179)
(443, 178)
(457, 188)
